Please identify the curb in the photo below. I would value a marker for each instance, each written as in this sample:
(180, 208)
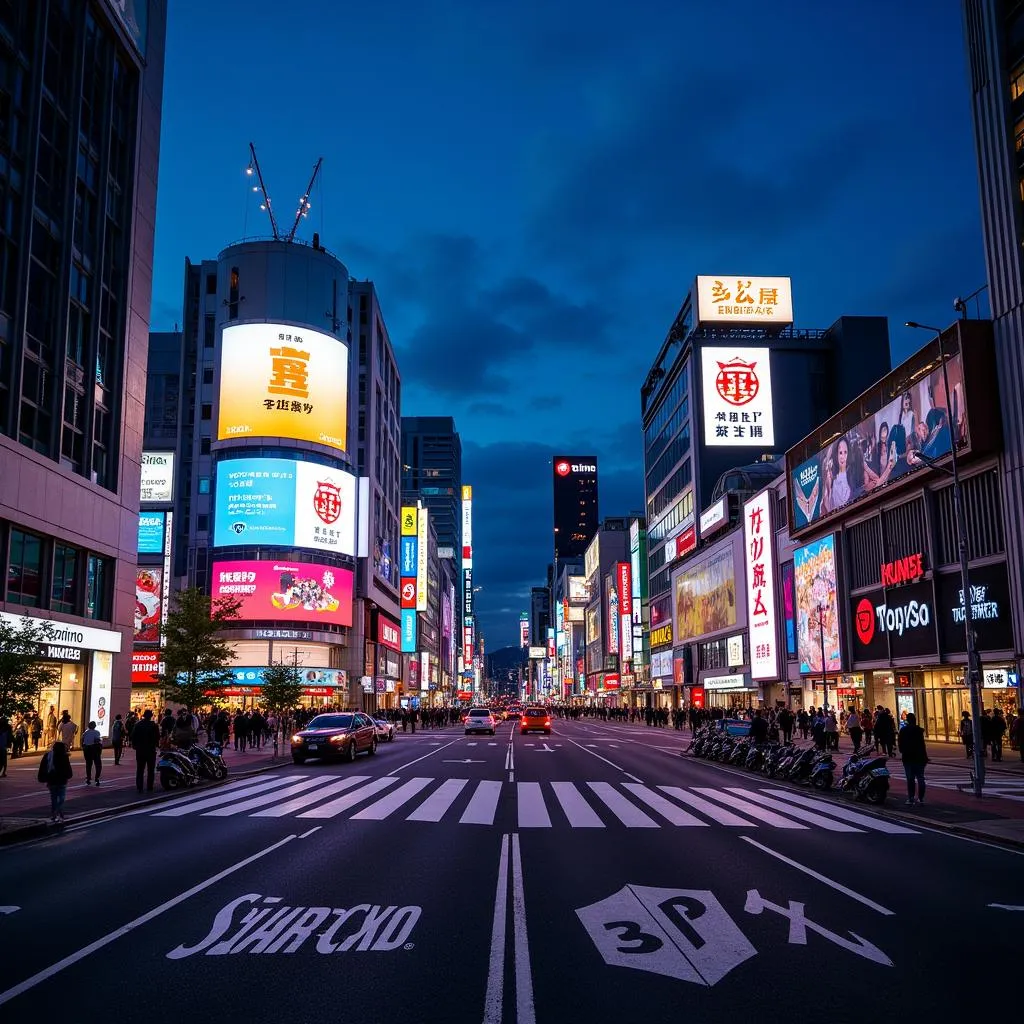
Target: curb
(885, 812)
(45, 828)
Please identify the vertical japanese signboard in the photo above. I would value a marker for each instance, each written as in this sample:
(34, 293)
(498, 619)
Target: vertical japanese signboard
(409, 575)
(422, 534)
(760, 563)
(624, 580)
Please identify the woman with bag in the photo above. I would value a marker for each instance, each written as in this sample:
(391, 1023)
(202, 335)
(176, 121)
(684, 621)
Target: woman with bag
(55, 771)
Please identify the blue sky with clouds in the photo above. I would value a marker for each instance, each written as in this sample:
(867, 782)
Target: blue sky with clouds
(533, 186)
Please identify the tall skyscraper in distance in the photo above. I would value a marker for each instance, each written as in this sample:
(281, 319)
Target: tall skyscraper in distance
(575, 503)
(432, 468)
(81, 106)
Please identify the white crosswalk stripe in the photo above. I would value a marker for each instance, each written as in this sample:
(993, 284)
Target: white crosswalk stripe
(535, 805)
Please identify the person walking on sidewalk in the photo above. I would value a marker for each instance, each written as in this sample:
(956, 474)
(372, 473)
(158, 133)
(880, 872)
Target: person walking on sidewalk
(5, 742)
(853, 727)
(915, 756)
(145, 740)
(92, 747)
(67, 731)
(117, 738)
(967, 733)
(55, 771)
(998, 732)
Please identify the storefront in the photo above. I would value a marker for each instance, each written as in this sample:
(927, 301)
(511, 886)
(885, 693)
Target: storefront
(81, 662)
(321, 688)
(733, 693)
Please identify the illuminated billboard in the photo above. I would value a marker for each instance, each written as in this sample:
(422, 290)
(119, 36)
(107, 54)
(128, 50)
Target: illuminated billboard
(284, 502)
(151, 532)
(817, 608)
(736, 388)
(286, 591)
(283, 381)
(759, 554)
(705, 596)
(148, 605)
(758, 301)
(157, 478)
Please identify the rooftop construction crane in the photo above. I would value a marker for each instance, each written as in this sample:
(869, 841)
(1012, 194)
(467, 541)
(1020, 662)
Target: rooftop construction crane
(304, 203)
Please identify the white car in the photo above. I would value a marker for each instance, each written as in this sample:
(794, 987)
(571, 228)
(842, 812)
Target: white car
(480, 720)
(385, 730)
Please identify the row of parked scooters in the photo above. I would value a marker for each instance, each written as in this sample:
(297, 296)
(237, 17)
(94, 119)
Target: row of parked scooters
(182, 768)
(864, 776)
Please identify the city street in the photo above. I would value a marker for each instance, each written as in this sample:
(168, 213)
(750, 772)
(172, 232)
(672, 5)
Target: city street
(589, 875)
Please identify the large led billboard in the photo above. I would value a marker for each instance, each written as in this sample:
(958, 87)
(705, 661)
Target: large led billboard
(149, 601)
(157, 477)
(705, 596)
(151, 532)
(737, 397)
(286, 591)
(283, 381)
(286, 503)
(817, 609)
(882, 447)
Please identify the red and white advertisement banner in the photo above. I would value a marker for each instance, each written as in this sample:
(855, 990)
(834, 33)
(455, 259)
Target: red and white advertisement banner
(145, 666)
(761, 617)
(611, 681)
(624, 581)
(389, 633)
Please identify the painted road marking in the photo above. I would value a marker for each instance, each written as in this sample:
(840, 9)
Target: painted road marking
(261, 800)
(225, 795)
(575, 806)
(829, 824)
(675, 814)
(436, 805)
(306, 799)
(717, 814)
(532, 811)
(629, 814)
(396, 798)
(482, 804)
(343, 803)
(751, 810)
(864, 820)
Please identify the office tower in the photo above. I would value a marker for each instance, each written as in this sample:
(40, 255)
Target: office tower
(574, 484)
(80, 108)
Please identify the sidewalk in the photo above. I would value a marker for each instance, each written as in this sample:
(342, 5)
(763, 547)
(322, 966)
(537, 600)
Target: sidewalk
(25, 802)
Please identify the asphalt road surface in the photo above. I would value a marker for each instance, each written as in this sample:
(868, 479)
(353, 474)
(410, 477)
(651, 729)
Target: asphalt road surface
(591, 875)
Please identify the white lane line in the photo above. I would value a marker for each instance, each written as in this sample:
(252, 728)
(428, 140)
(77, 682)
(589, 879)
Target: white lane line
(713, 811)
(491, 743)
(532, 812)
(525, 1013)
(673, 812)
(280, 810)
(594, 753)
(828, 824)
(864, 820)
(496, 966)
(630, 815)
(436, 805)
(425, 756)
(343, 803)
(92, 947)
(577, 810)
(223, 796)
(262, 799)
(310, 831)
(838, 886)
(751, 810)
(482, 804)
(382, 808)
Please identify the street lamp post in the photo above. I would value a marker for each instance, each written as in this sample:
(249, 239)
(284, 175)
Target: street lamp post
(824, 664)
(972, 671)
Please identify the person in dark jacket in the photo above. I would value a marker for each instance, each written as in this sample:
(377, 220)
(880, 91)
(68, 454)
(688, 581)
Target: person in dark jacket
(55, 771)
(912, 749)
(145, 740)
(117, 738)
(758, 728)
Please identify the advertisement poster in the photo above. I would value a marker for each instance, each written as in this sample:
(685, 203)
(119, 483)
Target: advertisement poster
(293, 591)
(883, 446)
(787, 606)
(148, 605)
(157, 477)
(283, 381)
(151, 532)
(760, 579)
(284, 502)
(737, 397)
(705, 597)
(817, 609)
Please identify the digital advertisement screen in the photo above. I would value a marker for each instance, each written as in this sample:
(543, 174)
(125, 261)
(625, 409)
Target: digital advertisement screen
(288, 591)
(705, 596)
(737, 392)
(148, 605)
(817, 609)
(284, 502)
(282, 381)
(151, 532)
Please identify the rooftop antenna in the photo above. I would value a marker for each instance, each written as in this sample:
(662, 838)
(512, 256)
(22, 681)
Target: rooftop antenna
(265, 205)
(304, 203)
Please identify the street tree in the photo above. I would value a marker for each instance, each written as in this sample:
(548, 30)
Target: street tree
(196, 659)
(22, 673)
(280, 692)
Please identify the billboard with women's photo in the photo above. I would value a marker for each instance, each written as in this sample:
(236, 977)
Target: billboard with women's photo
(884, 446)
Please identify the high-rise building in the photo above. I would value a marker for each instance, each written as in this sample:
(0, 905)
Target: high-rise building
(574, 484)
(733, 386)
(432, 469)
(80, 103)
(287, 435)
(994, 32)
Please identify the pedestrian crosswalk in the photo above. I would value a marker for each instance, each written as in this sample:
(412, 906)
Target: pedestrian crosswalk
(534, 805)
(997, 783)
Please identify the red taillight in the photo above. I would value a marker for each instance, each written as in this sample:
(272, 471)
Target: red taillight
(547, 721)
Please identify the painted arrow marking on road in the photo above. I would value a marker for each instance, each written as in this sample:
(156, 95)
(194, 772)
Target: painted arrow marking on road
(464, 760)
(997, 906)
(550, 750)
(14, 910)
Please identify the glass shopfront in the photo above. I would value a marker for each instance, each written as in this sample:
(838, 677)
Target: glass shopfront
(66, 692)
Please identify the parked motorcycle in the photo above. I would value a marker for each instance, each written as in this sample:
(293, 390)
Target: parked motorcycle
(866, 777)
(177, 771)
(208, 764)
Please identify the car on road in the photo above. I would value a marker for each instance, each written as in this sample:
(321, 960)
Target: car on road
(535, 720)
(385, 730)
(336, 735)
(480, 720)
(514, 712)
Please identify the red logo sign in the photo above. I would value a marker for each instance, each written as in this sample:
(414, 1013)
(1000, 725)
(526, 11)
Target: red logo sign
(737, 382)
(611, 681)
(387, 632)
(697, 696)
(327, 501)
(902, 570)
(864, 621)
(408, 593)
(562, 468)
(686, 541)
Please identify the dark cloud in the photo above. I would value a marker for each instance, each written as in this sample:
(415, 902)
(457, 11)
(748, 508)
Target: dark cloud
(545, 402)
(490, 409)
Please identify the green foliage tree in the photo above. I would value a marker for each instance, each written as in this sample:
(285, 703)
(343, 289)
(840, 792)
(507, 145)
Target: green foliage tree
(280, 692)
(22, 673)
(196, 659)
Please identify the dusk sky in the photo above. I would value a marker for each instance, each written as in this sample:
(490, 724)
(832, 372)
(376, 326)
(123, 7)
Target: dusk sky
(533, 187)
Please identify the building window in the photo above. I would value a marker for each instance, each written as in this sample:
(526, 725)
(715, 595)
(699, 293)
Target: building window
(99, 575)
(204, 485)
(24, 568)
(202, 523)
(209, 330)
(207, 411)
(204, 446)
(211, 284)
(208, 375)
(64, 588)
